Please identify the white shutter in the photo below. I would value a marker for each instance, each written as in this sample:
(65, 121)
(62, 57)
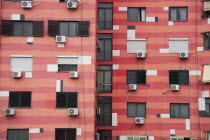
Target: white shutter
(68, 60)
(143, 14)
(135, 46)
(178, 45)
(206, 74)
(24, 64)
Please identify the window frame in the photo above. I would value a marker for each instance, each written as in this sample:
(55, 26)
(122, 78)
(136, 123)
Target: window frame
(104, 23)
(67, 65)
(139, 8)
(136, 103)
(178, 14)
(16, 129)
(19, 101)
(65, 131)
(206, 37)
(137, 77)
(178, 71)
(66, 100)
(179, 110)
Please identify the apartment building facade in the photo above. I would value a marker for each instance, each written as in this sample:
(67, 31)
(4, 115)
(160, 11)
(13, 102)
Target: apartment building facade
(104, 70)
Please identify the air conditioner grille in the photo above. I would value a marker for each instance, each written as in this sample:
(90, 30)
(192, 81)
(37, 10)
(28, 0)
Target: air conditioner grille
(8, 111)
(140, 54)
(70, 4)
(59, 38)
(71, 111)
(182, 54)
(24, 3)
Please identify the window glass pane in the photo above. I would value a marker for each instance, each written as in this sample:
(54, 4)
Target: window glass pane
(184, 77)
(108, 18)
(107, 81)
(73, 28)
(70, 134)
(61, 99)
(18, 134)
(174, 111)
(131, 77)
(131, 110)
(133, 14)
(18, 29)
(183, 13)
(107, 114)
(63, 28)
(60, 134)
(104, 67)
(173, 77)
(72, 99)
(14, 99)
(25, 99)
(173, 14)
(28, 29)
(208, 109)
(207, 42)
(141, 111)
(184, 111)
(67, 67)
(141, 76)
(101, 18)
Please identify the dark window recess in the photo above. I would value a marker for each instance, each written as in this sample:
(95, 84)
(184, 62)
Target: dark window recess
(206, 40)
(179, 110)
(66, 99)
(104, 118)
(206, 113)
(68, 0)
(136, 110)
(104, 79)
(65, 134)
(136, 77)
(17, 134)
(20, 0)
(105, 16)
(105, 134)
(68, 28)
(20, 99)
(180, 77)
(105, 47)
(178, 13)
(136, 14)
(67, 67)
(22, 28)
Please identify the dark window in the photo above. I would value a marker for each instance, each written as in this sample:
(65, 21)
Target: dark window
(66, 99)
(104, 79)
(104, 118)
(67, 67)
(136, 110)
(180, 77)
(105, 134)
(206, 40)
(207, 107)
(65, 134)
(136, 76)
(68, 0)
(17, 134)
(20, 0)
(105, 16)
(22, 28)
(20, 99)
(105, 50)
(136, 14)
(179, 110)
(178, 13)
(68, 28)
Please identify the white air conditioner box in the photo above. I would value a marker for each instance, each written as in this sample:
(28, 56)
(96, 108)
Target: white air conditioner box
(73, 111)
(183, 55)
(26, 4)
(139, 120)
(60, 39)
(71, 5)
(175, 87)
(132, 87)
(73, 74)
(141, 55)
(16, 74)
(9, 112)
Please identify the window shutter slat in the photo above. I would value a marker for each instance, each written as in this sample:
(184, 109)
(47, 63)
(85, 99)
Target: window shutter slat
(131, 77)
(184, 77)
(25, 99)
(72, 99)
(141, 76)
(38, 28)
(52, 27)
(84, 28)
(61, 100)
(14, 99)
(173, 77)
(6, 26)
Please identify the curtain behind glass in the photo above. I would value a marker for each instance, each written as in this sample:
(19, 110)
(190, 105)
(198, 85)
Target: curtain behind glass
(184, 111)
(183, 13)
(140, 111)
(175, 111)
(173, 14)
(63, 28)
(73, 29)
(134, 14)
(18, 29)
(28, 29)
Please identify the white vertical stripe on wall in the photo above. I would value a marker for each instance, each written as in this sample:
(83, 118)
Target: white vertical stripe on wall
(201, 104)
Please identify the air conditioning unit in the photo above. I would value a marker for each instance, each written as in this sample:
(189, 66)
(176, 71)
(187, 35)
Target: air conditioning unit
(60, 39)
(9, 112)
(73, 111)
(141, 55)
(183, 55)
(136, 137)
(73, 74)
(71, 5)
(139, 120)
(26, 4)
(174, 87)
(97, 136)
(132, 87)
(16, 74)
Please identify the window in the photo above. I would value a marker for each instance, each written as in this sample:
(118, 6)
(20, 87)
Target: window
(68, 0)
(136, 76)
(136, 14)
(23, 63)
(207, 135)
(207, 107)
(178, 13)
(68, 28)
(105, 16)
(20, 99)
(104, 116)
(17, 134)
(22, 28)
(104, 79)
(67, 67)
(105, 134)
(179, 110)
(65, 134)
(67, 63)
(180, 77)
(66, 99)
(206, 40)
(105, 51)
(136, 110)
